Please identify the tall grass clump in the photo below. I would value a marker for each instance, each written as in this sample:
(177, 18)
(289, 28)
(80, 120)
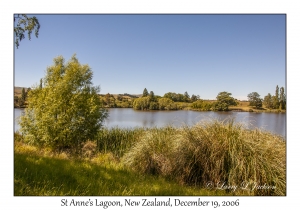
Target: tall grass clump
(117, 140)
(215, 154)
(152, 154)
(227, 153)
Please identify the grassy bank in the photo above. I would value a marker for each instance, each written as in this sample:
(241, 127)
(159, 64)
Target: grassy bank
(159, 161)
(42, 172)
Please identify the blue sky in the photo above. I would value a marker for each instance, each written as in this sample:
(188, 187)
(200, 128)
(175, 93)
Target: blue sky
(200, 54)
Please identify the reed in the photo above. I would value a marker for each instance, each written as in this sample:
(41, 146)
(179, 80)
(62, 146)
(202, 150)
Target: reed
(117, 140)
(216, 152)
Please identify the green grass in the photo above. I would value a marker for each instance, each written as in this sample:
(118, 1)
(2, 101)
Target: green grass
(38, 172)
(157, 161)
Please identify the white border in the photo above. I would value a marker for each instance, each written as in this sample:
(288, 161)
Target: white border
(8, 8)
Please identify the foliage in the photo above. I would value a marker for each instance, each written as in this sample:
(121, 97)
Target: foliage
(277, 101)
(109, 100)
(142, 103)
(67, 111)
(224, 100)
(166, 104)
(202, 105)
(268, 101)
(282, 99)
(145, 92)
(194, 98)
(186, 97)
(213, 151)
(176, 97)
(25, 23)
(41, 83)
(151, 95)
(255, 100)
(145, 103)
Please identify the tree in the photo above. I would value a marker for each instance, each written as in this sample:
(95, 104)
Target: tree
(255, 100)
(224, 100)
(41, 83)
(67, 111)
(282, 99)
(23, 95)
(151, 95)
(166, 104)
(109, 100)
(268, 101)
(276, 98)
(186, 96)
(25, 23)
(145, 92)
(194, 98)
(142, 103)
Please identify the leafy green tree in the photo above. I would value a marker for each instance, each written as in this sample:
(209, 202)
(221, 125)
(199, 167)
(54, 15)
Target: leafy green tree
(41, 83)
(194, 98)
(268, 101)
(145, 92)
(255, 100)
(282, 99)
(153, 105)
(202, 105)
(109, 100)
(166, 104)
(151, 95)
(142, 103)
(224, 100)
(16, 101)
(23, 24)
(276, 98)
(23, 95)
(67, 111)
(176, 97)
(186, 97)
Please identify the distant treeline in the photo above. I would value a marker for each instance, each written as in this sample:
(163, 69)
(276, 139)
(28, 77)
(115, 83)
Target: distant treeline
(178, 101)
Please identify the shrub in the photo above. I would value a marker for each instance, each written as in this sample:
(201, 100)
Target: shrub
(67, 110)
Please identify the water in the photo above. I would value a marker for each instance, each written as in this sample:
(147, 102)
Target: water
(129, 118)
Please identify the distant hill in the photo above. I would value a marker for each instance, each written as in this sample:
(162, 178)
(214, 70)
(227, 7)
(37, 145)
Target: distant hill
(18, 92)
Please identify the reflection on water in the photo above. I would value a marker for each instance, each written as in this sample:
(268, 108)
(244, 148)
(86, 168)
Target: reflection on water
(129, 118)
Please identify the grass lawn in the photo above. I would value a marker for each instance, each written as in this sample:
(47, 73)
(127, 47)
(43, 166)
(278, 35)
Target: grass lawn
(38, 172)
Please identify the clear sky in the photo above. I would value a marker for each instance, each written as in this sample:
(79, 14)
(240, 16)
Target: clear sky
(200, 54)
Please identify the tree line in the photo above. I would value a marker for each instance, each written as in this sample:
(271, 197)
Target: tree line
(175, 101)
(277, 101)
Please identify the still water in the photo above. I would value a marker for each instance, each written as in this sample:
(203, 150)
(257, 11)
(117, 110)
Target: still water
(129, 118)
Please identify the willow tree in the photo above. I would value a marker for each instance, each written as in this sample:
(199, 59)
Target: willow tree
(67, 111)
(25, 24)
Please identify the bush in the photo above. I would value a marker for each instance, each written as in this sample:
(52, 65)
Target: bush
(66, 111)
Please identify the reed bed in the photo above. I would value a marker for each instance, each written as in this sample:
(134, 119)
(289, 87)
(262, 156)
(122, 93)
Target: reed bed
(219, 153)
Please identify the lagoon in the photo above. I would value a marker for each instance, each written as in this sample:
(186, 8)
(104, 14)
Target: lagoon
(130, 118)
